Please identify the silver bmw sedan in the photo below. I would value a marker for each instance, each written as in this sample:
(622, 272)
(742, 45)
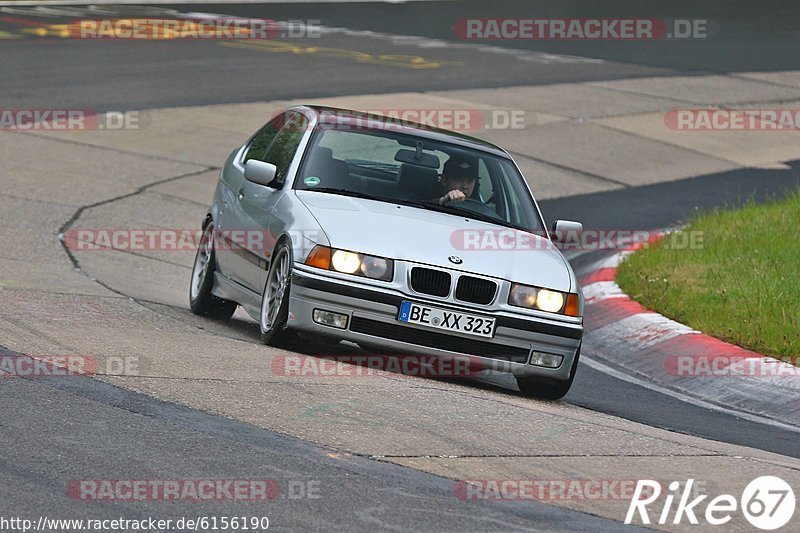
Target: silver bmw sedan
(401, 238)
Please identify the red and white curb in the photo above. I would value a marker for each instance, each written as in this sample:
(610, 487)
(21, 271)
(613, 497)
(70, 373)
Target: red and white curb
(621, 331)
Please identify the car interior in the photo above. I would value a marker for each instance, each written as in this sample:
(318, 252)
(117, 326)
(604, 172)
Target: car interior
(404, 169)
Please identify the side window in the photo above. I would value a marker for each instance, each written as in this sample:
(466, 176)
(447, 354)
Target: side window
(262, 140)
(485, 183)
(514, 194)
(282, 150)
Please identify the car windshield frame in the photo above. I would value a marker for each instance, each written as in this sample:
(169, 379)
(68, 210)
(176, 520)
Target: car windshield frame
(512, 172)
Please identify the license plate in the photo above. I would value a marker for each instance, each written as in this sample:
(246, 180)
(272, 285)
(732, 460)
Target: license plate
(435, 318)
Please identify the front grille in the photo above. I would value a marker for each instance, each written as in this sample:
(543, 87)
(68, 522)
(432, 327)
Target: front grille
(429, 281)
(475, 290)
(439, 341)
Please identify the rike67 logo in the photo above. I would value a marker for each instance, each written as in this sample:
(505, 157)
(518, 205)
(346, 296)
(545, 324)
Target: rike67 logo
(767, 502)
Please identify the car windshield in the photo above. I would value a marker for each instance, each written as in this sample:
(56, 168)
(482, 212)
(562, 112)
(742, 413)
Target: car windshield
(396, 167)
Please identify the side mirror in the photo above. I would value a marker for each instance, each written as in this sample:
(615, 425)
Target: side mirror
(564, 230)
(260, 172)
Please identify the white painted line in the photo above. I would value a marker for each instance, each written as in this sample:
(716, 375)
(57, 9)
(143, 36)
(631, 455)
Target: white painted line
(622, 376)
(602, 290)
(612, 261)
(543, 58)
(636, 333)
(650, 328)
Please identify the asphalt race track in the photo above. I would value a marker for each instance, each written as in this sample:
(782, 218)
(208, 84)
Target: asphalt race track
(381, 455)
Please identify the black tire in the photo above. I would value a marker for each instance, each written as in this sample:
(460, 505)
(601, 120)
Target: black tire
(273, 328)
(548, 388)
(201, 300)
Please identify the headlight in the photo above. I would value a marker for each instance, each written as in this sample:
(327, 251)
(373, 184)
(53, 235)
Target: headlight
(354, 263)
(544, 300)
(375, 267)
(550, 301)
(346, 262)
(523, 296)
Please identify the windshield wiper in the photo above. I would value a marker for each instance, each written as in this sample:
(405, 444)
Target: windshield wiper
(347, 192)
(374, 165)
(451, 210)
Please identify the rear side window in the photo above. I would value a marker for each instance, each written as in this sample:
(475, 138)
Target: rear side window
(281, 152)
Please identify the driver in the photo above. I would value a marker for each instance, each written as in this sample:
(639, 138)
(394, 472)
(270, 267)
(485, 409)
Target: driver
(459, 177)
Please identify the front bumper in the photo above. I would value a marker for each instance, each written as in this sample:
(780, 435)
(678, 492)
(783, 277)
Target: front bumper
(372, 321)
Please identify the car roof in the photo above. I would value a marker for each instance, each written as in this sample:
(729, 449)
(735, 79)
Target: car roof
(411, 128)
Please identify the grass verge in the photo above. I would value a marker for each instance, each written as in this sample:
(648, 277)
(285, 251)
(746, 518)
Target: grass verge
(734, 275)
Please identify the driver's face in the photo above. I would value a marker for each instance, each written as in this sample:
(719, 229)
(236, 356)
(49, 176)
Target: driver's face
(465, 185)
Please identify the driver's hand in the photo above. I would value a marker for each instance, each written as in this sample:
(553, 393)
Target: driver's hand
(452, 196)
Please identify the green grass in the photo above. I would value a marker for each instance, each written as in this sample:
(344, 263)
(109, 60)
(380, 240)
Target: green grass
(739, 281)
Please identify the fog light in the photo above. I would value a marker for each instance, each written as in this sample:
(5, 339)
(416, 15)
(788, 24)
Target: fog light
(547, 360)
(326, 318)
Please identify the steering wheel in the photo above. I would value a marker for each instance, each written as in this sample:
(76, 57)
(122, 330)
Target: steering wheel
(471, 204)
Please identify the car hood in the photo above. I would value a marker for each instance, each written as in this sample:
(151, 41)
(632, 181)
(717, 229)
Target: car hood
(418, 235)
